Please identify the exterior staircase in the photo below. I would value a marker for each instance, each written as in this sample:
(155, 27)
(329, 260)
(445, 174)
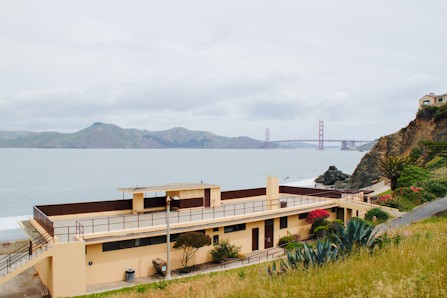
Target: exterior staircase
(25, 257)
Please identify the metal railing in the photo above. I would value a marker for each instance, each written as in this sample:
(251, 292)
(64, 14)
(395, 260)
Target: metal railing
(264, 255)
(132, 221)
(369, 204)
(24, 253)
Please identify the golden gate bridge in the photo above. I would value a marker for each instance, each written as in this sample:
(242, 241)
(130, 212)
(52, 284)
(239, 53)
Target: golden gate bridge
(346, 144)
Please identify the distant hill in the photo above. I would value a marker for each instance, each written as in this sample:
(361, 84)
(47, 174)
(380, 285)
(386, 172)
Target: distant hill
(101, 135)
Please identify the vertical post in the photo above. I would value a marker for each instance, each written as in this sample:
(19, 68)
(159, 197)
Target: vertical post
(168, 239)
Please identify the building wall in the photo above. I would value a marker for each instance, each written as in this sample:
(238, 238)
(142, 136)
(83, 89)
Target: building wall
(430, 101)
(64, 271)
(111, 265)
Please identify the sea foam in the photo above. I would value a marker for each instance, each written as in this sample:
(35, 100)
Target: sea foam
(12, 222)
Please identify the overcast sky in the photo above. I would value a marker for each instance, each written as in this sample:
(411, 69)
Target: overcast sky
(230, 67)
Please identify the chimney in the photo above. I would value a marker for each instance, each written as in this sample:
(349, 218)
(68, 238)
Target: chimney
(272, 193)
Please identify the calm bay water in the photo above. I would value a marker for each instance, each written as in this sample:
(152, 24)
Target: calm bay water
(31, 177)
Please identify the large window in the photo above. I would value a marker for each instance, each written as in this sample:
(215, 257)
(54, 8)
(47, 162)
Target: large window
(234, 228)
(283, 222)
(123, 244)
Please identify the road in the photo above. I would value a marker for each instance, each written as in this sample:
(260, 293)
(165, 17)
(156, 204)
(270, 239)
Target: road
(418, 213)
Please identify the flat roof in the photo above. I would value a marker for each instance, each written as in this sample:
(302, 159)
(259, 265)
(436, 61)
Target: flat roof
(168, 187)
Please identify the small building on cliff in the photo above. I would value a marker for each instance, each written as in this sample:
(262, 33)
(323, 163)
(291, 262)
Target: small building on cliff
(433, 100)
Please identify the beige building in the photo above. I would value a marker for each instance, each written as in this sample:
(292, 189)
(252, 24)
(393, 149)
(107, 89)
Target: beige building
(85, 244)
(433, 100)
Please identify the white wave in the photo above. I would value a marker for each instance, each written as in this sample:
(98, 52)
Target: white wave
(302, 183)
(12, 222)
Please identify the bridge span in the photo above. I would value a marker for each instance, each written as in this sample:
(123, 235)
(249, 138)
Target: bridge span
(346, 144)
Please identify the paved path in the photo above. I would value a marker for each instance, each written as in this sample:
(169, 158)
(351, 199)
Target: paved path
(418, 213)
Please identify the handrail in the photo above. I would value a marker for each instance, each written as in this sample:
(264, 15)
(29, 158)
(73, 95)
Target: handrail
(107, 224)
(9, 260)
(261, 254)
(371, 204)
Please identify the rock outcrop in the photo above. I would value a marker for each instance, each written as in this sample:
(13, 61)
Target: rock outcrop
(333, 176)
(430, 124)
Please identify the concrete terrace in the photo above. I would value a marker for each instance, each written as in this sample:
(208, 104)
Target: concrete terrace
(90, 227)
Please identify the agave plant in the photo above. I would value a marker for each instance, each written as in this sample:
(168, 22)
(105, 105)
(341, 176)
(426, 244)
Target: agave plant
(356, 234)
(323, 253)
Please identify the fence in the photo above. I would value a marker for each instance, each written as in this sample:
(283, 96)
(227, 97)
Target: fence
(133, 221)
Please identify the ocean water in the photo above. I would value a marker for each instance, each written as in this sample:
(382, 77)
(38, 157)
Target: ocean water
(31, 177)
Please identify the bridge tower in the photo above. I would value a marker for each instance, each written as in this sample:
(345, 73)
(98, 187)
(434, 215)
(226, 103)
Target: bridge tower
(321, 135)
(267, 138)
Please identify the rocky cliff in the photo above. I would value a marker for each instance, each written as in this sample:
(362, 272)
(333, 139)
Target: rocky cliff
(430, 124)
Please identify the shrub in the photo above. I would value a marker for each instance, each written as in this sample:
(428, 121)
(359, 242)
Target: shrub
(410, 175)
(435, 188)
(380, 215)
(224, 250)
(289, 238)
(319, 222)
(321, 231)
(294, 246)
(436, 162)
(441, 113)
(317, 213)
(427, 112)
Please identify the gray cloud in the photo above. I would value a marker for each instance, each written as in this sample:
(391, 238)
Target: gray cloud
(231, 67)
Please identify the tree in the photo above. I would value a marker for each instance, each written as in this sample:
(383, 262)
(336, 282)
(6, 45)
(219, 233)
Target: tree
(190, 242)
(391, 167)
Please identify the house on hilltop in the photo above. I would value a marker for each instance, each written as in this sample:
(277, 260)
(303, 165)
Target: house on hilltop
(433, 100)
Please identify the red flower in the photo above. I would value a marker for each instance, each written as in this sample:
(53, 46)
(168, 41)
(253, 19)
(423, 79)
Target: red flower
(317, 213)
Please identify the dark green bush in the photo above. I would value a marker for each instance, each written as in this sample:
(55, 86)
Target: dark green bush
(441, 113)
(411, 175)
(294, 246)
(435, 188)
(427, 112)
(321, 231)
(289, 238)
(318, 222)
(224, 250)
(380, 215)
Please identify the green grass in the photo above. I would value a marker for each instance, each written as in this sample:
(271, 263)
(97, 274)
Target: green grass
(417, 267)
(388, 192)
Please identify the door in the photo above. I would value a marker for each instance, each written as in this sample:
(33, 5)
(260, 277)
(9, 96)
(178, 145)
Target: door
(255, 239)
(268, 233)
(207, 197)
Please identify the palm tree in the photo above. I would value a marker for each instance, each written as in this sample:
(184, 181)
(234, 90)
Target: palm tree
(391, 166)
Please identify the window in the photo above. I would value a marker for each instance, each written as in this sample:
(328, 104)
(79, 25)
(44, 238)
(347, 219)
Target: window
(215, 229)
(440, 99)
(216, 239)
(126, 244)
(302, 216)
(123, 244)
(283, 222)
(426, 102)
(110, 246)
(234, 228)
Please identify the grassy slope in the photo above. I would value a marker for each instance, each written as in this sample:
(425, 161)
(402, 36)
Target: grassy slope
(417, 267)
